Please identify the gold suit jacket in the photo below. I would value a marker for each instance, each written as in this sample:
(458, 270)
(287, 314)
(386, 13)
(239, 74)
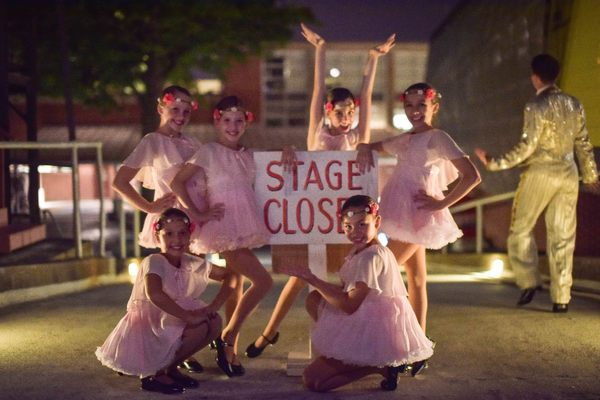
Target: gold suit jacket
(554, 126)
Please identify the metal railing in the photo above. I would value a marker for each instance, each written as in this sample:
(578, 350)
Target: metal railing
(478, 204)
(74, 146)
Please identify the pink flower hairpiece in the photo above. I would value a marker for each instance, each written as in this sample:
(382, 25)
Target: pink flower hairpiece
(429, 94)
(249, 115)
(169, 98)
(372, 208)
(158, 224)
(329, 105)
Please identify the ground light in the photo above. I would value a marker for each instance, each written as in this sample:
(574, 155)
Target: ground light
(496, 268)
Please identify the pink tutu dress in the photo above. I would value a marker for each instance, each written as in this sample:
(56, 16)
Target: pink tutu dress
(159, 158)
(327, 141)
(423, 164)
(229, 180)
(384, 330)
(146, 338)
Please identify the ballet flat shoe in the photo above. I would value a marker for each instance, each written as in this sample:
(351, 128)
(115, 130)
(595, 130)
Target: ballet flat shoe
(391, 382)
(418, 367)
(152, 385)
(252, 351)
(238, 370)
(184, 380)
(221, 357)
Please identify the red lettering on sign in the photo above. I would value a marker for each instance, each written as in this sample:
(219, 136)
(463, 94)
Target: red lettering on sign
(352, 172)
(274, 175)
(338, 175)
(340, 203)
(313, 170)
(295, 175)
(311, 215)
(266, 215)
(330, 220)
(286, 227)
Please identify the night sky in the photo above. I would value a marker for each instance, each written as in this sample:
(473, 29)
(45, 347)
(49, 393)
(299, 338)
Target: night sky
(375, 20)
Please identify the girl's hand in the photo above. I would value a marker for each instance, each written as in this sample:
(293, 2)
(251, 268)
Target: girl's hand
(162, 203)
(194, 317)
(427, 203)
(364, 158)
(482, 155)
(300, 271)
(384, 48)
(288, 158)
(312, 37)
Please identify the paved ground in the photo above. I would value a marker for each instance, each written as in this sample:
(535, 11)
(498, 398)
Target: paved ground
(486, 349)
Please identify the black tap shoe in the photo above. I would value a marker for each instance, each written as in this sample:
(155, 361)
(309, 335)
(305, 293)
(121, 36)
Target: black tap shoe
(221, 358)
(191, 365)
(152, 385)
(391, 382)
(252, 351)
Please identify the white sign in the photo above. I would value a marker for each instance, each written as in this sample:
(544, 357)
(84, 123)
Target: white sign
(301, 207)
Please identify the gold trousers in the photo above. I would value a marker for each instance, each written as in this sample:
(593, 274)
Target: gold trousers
(552, 189)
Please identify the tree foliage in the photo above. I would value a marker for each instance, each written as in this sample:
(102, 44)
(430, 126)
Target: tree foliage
(133, 47)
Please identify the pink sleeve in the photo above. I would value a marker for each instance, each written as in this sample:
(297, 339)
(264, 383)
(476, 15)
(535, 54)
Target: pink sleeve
(155, 265)
(142, 158)
(202, 157)
(443, 146)
(368, 267)
(143, 155)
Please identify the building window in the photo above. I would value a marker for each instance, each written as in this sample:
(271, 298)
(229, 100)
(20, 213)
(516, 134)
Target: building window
(288, 79)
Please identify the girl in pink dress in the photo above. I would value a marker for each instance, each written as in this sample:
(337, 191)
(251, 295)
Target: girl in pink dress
(165, 321)
(155, 161)
(365, 325)
(229, 171)
(414, 208)
(339, 109)
(157, 158)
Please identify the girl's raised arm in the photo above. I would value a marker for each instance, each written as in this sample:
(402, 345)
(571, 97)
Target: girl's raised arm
(366, 92)
(122, 185)
(316, 102)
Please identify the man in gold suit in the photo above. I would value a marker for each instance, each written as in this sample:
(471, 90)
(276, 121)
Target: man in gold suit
(554, 127)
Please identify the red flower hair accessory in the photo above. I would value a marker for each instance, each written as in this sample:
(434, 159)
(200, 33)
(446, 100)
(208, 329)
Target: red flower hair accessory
(169, 98)
(356, 102)
(249, 115)
(429, 94)
(329, 106)
(372, 209)
(192, 227)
